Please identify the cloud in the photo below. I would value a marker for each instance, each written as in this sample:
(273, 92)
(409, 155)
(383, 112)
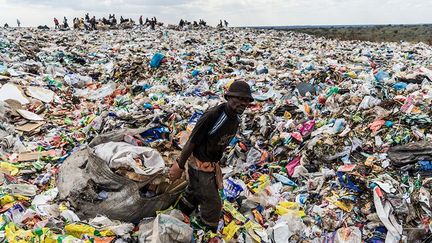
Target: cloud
(237, 12)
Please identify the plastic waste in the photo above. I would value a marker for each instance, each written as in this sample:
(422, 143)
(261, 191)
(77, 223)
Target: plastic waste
(156, 60)
(332, 124)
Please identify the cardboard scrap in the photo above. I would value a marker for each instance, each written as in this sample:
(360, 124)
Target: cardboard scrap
(14, 106)
(30, 115)
(31, 126)
(12, 92)
(30, 156)
(41, 94)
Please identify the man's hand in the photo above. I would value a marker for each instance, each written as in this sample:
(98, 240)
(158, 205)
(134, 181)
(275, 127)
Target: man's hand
(175, 172)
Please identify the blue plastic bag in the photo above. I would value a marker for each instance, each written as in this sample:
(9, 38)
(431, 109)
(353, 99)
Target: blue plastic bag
(345, 181)
(381, 75)
(284, 180)
(195, 73)
(400, 86)
(156, 61)
(157, 133)
(232, 190)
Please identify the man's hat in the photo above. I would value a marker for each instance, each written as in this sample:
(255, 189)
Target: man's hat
(240, 89)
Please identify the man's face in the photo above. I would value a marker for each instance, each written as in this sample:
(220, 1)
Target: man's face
(238, 104)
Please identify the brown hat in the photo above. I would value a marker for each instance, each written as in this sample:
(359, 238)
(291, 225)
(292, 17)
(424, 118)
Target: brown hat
(240, 89)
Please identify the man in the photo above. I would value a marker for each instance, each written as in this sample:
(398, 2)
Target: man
(114, 20)
(18, 23)
(93, 23)
(207, 142)
(56, 23)
(141, 20)
(152, 23)
(226, 23)
(65, 23)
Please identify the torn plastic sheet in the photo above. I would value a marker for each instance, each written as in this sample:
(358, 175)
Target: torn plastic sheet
(384, 213)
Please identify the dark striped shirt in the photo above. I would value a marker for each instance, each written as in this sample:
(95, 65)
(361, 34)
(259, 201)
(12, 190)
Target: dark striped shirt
(212, 133)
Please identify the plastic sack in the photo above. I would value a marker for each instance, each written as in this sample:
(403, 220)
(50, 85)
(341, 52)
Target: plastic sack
(121, 155)
(287, 226)
(102, 92)
(84, 175)
(165, 228)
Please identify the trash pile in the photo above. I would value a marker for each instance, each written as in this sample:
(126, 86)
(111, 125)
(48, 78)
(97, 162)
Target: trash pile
(335, 148)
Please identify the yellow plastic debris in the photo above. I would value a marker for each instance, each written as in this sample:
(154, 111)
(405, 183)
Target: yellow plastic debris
(77, 230)
(289, 207)
(230, 230)
(8, 168)
(231, 209)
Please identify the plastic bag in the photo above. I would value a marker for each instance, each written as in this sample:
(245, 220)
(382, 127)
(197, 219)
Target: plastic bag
(348, 235)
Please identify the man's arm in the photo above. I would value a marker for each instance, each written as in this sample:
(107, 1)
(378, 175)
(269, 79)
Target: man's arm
(185, 154)
(177, 168)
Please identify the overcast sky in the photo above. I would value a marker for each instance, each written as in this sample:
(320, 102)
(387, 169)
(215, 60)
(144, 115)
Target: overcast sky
(237, 12)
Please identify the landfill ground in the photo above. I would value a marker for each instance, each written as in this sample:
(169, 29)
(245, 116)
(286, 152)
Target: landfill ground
(335, 147)
(413, 33)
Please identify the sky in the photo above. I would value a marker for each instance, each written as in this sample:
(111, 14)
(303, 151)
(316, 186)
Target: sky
(236, 12)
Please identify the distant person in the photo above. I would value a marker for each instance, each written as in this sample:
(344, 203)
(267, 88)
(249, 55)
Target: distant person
(65, 23)
(152, 24)
(141, 20)
(82, 25)
(76, 23)
(113, 21)
(93, 23)
(226, 23)
(18, 23)
(121, 20)
(220, 25)
(202, 22)
(147, 22)
(56, 23)
(182, 23)
(87, 17)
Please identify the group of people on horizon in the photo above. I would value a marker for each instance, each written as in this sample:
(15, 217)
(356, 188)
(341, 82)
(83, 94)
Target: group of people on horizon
(92, 23)
(184, 23)
(6, 25)
(220, 25)
(88, 23)
(149, 22)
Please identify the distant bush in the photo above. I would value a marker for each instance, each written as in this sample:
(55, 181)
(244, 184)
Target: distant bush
(383, 33)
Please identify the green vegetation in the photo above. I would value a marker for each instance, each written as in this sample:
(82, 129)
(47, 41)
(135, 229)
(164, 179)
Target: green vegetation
(379, 33)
